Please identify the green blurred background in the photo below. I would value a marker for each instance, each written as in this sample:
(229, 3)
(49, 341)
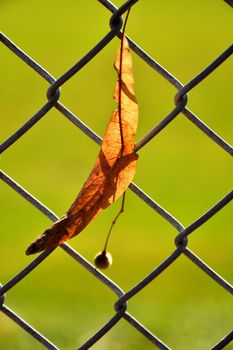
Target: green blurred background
(181, 169)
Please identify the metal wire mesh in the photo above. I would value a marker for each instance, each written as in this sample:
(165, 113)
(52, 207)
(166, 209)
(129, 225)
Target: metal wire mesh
(181, 240)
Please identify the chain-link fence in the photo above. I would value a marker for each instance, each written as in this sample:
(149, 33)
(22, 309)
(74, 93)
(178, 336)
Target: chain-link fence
(181, 239)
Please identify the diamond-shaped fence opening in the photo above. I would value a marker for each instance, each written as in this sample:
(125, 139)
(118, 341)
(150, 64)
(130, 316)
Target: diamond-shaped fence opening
(181, 250)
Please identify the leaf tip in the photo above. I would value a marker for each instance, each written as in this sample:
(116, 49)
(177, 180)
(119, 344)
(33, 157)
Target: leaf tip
(31, 249)
(36, 246)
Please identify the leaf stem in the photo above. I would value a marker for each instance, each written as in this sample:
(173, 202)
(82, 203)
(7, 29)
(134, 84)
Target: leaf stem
(120, 85)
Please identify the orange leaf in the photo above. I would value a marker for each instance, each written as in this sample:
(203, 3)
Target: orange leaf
(114, 168)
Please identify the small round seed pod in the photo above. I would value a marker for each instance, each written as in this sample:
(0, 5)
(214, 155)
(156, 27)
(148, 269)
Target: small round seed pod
(103, 260)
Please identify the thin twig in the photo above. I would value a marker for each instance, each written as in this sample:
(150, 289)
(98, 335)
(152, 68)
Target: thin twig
(114, 221)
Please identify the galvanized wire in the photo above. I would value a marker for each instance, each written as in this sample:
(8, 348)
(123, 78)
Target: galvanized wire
(181, 240)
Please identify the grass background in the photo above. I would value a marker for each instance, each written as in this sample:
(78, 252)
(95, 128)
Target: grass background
(181, 169)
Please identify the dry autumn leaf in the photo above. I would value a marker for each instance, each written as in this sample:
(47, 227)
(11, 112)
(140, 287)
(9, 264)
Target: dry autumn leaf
(114, 168)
